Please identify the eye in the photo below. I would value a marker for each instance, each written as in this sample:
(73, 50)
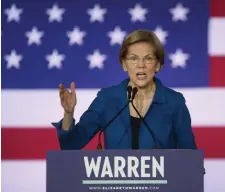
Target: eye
(149, 58)
(132, 58)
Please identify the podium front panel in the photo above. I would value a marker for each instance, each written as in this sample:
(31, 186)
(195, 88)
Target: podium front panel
(125, 170)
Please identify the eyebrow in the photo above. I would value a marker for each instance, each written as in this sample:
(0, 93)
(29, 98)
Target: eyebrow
(138, 56)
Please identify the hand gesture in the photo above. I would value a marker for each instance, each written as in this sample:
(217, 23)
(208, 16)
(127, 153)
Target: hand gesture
(68, 99)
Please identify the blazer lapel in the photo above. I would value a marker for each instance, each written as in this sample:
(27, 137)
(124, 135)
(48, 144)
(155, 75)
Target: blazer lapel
(124, 139)
(152, 116)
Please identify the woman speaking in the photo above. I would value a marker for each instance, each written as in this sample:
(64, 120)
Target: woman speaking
(138, 113)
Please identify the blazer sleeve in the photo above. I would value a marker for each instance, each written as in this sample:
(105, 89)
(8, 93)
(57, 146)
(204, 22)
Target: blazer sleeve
(79, 134)
(182, 124)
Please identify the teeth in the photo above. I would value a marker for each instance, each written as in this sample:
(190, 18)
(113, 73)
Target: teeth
(140, 73)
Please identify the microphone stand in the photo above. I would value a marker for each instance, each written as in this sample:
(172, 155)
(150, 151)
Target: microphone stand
(130, 100)
(99, 146)
(134, 91)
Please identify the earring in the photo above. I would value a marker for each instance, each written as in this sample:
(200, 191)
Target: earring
(125, 69)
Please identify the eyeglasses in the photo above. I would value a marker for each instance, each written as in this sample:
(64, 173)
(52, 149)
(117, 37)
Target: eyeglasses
(148, 59)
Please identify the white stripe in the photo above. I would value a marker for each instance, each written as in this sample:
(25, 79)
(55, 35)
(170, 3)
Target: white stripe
(40, 108)
(26, 176)
(216, 36)
(23, 176)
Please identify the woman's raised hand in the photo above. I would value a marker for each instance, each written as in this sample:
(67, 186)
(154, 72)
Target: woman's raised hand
(68, 99)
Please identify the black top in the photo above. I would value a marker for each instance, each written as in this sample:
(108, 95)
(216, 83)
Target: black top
(135, 125)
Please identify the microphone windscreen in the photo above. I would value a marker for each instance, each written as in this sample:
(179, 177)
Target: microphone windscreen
(129, 90)
(134, 91)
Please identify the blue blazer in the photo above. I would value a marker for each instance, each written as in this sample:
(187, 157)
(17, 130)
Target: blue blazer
(168, 117)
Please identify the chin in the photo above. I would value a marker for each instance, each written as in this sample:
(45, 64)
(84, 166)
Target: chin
(141, 83)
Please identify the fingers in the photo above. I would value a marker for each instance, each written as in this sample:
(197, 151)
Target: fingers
(61, 89)
(72, 87)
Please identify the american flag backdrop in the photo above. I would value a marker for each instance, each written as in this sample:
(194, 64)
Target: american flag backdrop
(48, 42)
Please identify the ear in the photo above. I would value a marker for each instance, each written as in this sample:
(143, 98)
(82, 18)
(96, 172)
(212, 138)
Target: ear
(124, 66)
(158, 66)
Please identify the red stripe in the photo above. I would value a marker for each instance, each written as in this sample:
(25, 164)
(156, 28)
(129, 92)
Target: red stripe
(211, 141)
(27, 143)
(32, 143)
(217, 71)
(217, 8)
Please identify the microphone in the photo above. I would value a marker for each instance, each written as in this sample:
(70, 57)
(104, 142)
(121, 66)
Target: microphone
(134, 92)
(99, 146)
(129, 90)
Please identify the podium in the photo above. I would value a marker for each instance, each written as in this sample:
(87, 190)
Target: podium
(125, 170)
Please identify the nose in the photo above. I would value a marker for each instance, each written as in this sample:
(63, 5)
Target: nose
(141, 63)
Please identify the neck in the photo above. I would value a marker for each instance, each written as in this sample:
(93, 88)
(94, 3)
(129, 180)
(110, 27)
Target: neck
(145, 92)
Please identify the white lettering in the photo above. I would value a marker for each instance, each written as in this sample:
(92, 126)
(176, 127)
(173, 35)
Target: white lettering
(92, 167)
(145, 166)
(132, 168)
(106, 170)
(157, 166)
(119, 165)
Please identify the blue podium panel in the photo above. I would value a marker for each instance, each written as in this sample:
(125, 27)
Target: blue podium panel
(125, 170)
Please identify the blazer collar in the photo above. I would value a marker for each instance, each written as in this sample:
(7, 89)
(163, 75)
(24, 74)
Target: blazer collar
(121, 92)
(159, 96)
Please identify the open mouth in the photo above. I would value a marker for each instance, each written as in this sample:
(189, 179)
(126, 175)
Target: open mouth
(141, 75)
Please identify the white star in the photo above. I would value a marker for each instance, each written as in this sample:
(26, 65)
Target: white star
(55, 59)
(179, 12)
(161, 34)
(76, 36)
(96, 60)
(13, 60)
(179, 58)
(96, 13)
(138, 13)
(13, 13)
(55, 13)
(34, 36)
(116, 36)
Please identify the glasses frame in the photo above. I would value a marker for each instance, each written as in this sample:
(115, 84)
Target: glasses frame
(137, 61)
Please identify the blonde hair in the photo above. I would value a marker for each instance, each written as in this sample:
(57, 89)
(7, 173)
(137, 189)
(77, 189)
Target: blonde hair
(142, 36)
